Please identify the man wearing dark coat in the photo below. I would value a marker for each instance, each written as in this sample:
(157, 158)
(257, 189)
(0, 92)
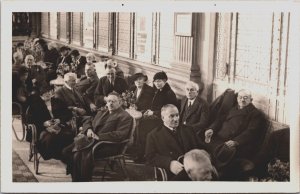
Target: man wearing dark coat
(163, 94)
(67, 101)
(87, 85)
(65, 56)
(167, 143)
(113, 124)
(242, 130)
(142, 92)
(194, 109)
(78, 63)
(108, 84)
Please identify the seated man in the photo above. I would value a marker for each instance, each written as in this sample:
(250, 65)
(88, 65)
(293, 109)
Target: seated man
(198, 166)
(87, 85)
(167, 143)
(37, 75)
(78, 63)
(113, 64)
(113, 124)
(194, 110)
(108, 84)
(67, 101)
(239, 134)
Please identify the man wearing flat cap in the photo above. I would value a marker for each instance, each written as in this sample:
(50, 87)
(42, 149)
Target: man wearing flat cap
(143, 93)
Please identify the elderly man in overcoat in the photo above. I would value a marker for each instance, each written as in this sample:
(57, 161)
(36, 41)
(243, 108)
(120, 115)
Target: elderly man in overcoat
(87, 85)
(194, 110)
(113, 124)
(240, 132)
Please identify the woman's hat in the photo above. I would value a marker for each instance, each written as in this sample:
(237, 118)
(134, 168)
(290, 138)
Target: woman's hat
(224, 154)
(138, 75)
(160, 75)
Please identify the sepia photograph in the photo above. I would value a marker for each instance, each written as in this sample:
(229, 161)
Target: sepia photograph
(129, 97)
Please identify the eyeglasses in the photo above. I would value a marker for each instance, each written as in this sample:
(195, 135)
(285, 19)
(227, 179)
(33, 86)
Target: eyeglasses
(243, 97)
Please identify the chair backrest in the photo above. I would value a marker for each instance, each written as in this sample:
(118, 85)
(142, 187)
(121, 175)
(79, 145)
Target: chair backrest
(130, 138)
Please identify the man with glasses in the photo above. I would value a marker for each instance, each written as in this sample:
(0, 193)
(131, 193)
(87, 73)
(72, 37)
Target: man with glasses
(239, 133)
(193, 109)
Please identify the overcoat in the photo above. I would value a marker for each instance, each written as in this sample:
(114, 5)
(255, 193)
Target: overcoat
(162, 146)
(104, 88)
(114, 127)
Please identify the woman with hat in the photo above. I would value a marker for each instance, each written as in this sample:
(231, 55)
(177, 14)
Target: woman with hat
(142, 92)
(163, 95)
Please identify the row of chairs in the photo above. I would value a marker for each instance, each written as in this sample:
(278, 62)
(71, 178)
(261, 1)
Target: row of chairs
(117, 157)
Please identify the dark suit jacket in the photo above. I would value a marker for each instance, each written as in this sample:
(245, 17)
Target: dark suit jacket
(197, 116)
(103, 89)
(67, 60)
(80, 66)
(162, 147)
(87, 87)
(64, 98)
(246, 126)
(143, 102)
(115, 128)
(161, 98)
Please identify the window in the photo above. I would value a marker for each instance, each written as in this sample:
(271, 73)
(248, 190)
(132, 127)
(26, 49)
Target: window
(53, 25)
(123, 34)
(88, 29)
(143, 39)
(166, 39)
(76, 28)
(103, 30)
(45, 27)
(63, 26)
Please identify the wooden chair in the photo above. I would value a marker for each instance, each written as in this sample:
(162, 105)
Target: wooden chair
(118, 157)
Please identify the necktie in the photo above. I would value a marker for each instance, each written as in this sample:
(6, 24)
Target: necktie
(190, 104)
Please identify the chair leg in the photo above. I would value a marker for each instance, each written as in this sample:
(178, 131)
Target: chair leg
(104, 171)
(123, 167)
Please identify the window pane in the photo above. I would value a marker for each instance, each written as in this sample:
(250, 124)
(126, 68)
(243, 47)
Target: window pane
(143, 37)
(103, 31)
(63, 26)
(45, 28)
(124, 34)
(166, 38)
(76, 28)
(253, 57)
(53, 25)
(88, 21)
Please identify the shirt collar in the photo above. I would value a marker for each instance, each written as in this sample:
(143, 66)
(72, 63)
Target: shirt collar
(67, 86)
(192, 101)
(172, 129)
